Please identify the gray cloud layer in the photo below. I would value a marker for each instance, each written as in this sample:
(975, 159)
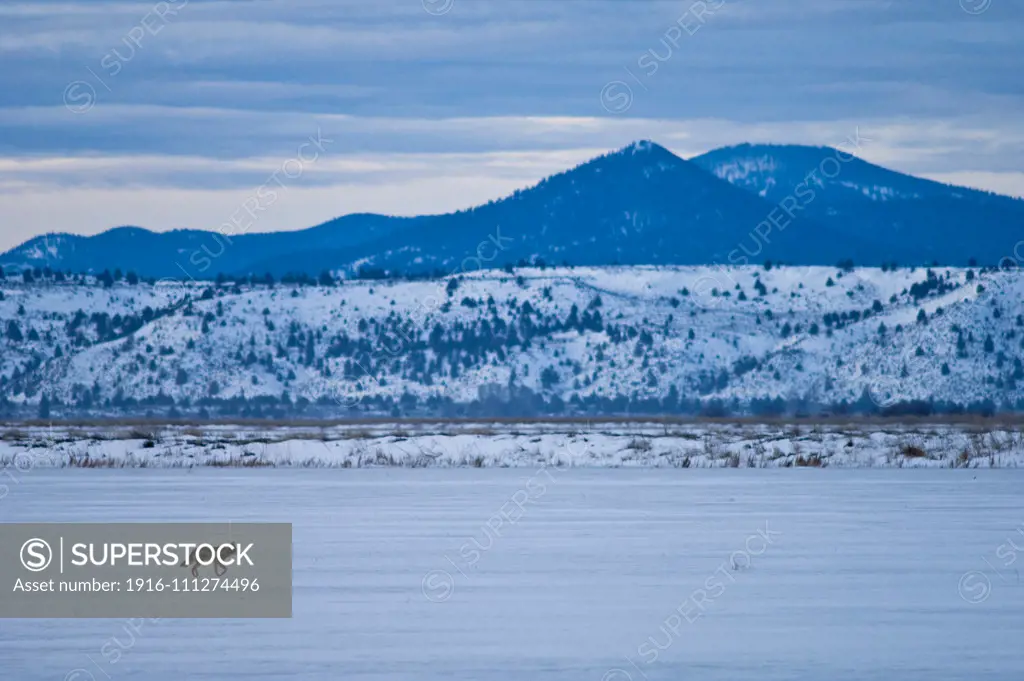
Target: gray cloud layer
(111, 110)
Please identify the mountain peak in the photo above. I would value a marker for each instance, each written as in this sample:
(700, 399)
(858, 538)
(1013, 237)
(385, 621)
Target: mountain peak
(643, 147)
(640, 204)
(792, 153)
(777, 170)
(640, 156)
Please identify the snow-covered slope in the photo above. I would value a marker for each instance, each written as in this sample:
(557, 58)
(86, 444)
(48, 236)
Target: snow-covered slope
(896, 217)
(583, 340)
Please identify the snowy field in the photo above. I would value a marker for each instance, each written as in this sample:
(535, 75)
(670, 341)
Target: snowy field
(596, 575)
(529, 444)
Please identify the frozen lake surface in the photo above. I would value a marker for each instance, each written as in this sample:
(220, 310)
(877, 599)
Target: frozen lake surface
(613, 575)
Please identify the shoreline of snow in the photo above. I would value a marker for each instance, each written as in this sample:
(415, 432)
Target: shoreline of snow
(521, 445)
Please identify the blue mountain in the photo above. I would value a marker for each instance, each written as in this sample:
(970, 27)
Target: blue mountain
(193, 254)
(906, 219)
(638, 205)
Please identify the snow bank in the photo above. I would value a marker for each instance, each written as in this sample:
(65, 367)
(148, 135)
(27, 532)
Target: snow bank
(519, 445)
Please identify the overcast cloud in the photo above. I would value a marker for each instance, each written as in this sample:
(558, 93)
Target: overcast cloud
(166, 114)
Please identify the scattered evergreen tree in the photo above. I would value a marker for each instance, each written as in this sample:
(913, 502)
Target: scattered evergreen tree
(14, 332)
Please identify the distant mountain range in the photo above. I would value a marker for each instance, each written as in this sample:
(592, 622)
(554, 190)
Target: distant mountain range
(641, 205)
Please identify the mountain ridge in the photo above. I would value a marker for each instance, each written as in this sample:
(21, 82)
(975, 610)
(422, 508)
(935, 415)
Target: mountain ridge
(640, 204)
(914, 220)
(641, 339)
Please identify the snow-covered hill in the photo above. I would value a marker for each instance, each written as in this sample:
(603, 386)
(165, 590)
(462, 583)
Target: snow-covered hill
(584, 340)
(775, 171)
(897, 217)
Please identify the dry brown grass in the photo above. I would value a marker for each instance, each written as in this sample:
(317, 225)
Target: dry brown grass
(1000, 420)
(143, 434)
(86, 461)
(640, 444)
(483, 432)
(812, 461)
(240, 462)
(913, 452)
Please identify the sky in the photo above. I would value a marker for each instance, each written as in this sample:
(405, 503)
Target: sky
(169, 114)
